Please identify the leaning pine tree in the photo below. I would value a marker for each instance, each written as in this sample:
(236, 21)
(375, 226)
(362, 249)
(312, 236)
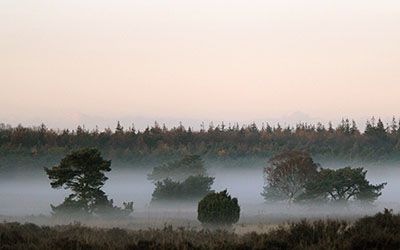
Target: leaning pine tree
(82, 172)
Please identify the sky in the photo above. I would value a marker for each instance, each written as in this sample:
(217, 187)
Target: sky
(71, 62)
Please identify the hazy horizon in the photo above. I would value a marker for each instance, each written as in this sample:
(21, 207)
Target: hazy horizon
(67, 63)
(90, 122)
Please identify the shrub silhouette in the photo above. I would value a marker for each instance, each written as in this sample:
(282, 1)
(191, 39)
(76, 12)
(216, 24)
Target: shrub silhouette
(218, 209)
(380, 231)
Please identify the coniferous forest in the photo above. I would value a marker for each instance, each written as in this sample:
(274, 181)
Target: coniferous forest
(157, 143)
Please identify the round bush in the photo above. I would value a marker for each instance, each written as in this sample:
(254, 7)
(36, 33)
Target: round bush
(218, 209)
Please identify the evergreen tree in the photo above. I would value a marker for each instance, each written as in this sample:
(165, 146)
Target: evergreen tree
(83, 172)
(342, 185)
(218, 209)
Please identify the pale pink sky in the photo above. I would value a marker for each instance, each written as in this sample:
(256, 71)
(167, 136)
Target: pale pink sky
(208, 59)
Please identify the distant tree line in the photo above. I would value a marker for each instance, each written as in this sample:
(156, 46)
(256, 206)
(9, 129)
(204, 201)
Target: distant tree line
(378, 141)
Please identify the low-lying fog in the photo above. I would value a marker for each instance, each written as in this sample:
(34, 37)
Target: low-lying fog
(33, 195)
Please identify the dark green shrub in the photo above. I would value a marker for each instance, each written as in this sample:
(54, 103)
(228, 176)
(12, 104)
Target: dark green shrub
(218, 209)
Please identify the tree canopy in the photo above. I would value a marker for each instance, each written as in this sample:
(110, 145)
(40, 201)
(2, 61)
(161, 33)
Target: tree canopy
(183, 179)
(193, 188)
(83, 172)
(342, 185)
(287, 175)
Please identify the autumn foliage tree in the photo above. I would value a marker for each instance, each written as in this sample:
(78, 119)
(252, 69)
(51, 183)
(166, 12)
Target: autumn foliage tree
(287, 175)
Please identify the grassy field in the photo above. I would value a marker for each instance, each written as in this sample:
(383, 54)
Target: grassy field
(381, 231)
(261, 223)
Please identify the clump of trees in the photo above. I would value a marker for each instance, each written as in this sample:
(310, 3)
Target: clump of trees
(83, 172)
(192, 188)
(183, 179)
(218, 209)
(294, 176)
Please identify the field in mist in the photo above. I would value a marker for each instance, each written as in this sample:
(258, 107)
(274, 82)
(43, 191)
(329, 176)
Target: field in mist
(24, 195)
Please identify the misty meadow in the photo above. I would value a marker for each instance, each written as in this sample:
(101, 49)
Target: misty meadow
(237, 179)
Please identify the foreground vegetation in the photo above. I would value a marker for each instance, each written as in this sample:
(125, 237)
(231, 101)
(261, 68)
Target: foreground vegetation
(381, 231)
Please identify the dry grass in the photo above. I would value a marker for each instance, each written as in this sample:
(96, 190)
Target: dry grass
(381, 231)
